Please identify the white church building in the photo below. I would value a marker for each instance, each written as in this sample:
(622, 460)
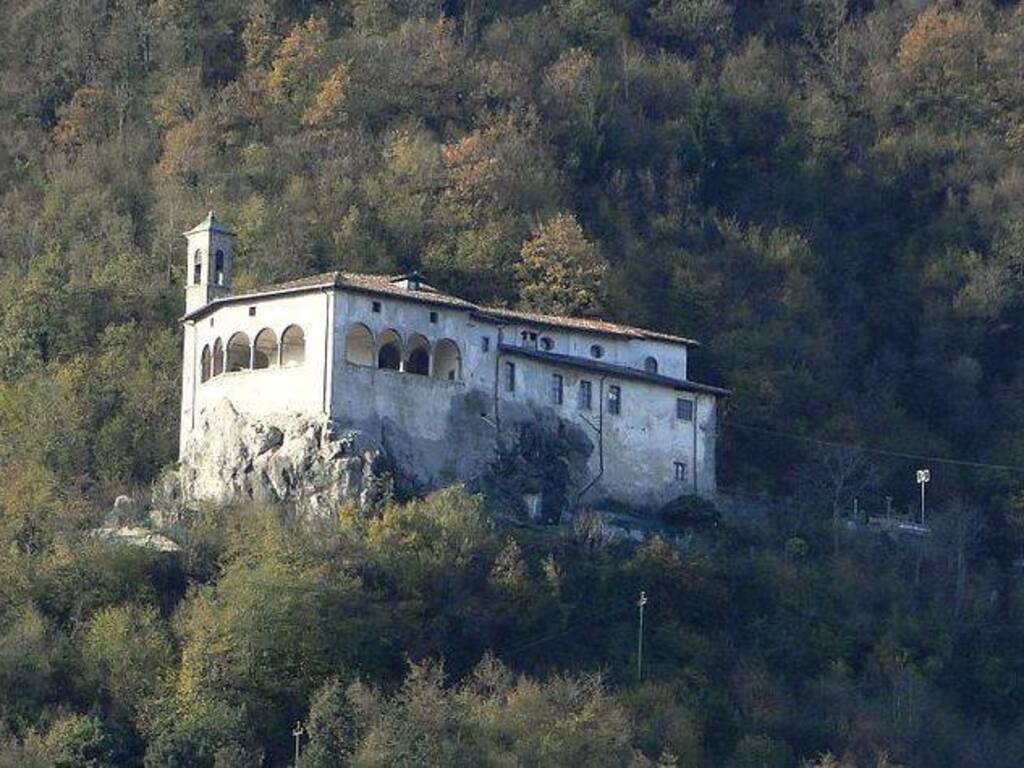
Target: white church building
(442, 381)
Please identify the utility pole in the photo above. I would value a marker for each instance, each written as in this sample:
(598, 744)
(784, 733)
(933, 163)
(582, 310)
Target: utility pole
(297, 732)
(924, 476)
(640, 637)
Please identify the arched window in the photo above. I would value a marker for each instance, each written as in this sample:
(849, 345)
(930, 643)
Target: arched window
(359, 345)
(239, 352)
(417, 356)
(389, 351)
(651, 365)
(264, 353)
(218, 267)
(447, 360)
(218, 358)
(197, 268)
(293, 346)
(205, 361)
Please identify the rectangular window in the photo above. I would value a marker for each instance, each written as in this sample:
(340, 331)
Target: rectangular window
(586, 398)
(614, 399)
(433, 317)
(680, 471)
(556, 388)
(684, 409)
(375, 307)
(485, 343)
(252, 311)
(510, 377)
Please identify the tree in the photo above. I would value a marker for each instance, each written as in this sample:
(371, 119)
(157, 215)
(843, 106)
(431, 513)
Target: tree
(127, 651)
(836, 475)
(560, 271)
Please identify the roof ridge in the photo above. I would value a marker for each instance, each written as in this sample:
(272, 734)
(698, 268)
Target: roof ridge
(387, 285)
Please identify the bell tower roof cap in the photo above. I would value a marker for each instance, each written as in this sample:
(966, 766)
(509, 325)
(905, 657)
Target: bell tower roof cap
(210, 224)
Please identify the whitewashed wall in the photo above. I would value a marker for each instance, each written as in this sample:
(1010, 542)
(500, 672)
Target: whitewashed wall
(628, 352)
(641, 444)
(295, 389)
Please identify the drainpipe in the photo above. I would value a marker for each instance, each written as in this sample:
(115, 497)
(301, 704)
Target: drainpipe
(600, 441)
(327, 336)
(497, 386)
(696, 414)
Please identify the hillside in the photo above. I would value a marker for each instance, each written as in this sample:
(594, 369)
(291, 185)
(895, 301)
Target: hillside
(828, 194)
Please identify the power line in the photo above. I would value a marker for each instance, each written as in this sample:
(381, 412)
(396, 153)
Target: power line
(591, 622)
(877, 451)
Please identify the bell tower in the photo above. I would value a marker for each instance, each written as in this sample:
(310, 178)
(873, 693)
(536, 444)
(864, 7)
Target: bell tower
(208, 274)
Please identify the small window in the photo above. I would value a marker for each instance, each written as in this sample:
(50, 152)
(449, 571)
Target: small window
(252, 311)
(547, 343)
(510, 377)
(614, 399)
(533, 337)
(586, 399)
(680, 471)
(197, 268)
(211, 322)
(556, 389)
(375, 307)
(218, 267)
(596, 351)
(433, 317)
(651, 365)
(485, 344)
(684, 409)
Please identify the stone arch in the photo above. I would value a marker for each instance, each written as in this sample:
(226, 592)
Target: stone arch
(417, 355)
(389, 350)
(447, 360)
(218, 357)
(359, 348)
(651, 364)
(205, 363)
(239, 356)
(265, 351)
(293, 346)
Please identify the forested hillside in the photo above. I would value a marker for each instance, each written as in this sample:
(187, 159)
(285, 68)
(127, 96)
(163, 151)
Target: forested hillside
(827, 193)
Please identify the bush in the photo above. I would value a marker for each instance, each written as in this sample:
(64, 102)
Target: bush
(690, 510)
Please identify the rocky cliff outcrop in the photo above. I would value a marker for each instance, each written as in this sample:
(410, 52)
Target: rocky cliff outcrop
(306, 462)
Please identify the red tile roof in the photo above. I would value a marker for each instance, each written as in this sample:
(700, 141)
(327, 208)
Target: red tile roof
(613, 369)
(581, 324)
(388, 285)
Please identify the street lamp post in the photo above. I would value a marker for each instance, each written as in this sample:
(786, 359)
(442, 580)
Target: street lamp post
(924, 476)
(298, 731)
(640, 637)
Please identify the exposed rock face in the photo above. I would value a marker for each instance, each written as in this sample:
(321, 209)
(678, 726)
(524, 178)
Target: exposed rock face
(307, 462)
(136, 536)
